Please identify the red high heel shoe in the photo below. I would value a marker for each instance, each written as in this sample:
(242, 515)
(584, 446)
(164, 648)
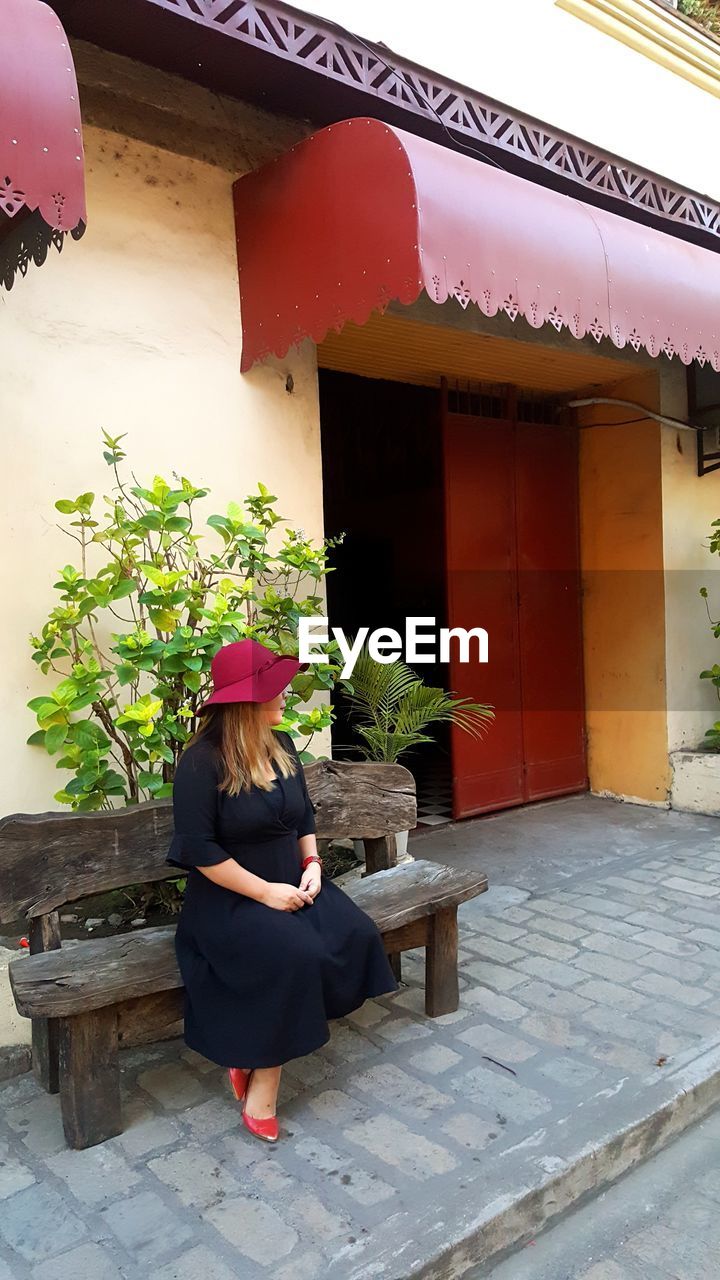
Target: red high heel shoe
(239, 1081)
(264, 1128)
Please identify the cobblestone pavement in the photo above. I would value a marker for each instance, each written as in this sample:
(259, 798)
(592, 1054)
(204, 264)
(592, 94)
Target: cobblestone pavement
(401, 1125)
(662, 1222)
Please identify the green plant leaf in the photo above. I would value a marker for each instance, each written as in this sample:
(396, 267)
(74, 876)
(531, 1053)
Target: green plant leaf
(152, 520)
(37, 704)
(113, 779)
(55, 737)
(50, 713)
(164, 619)
(142, 711)
(84, 700)
(150, 781)
(88, 735)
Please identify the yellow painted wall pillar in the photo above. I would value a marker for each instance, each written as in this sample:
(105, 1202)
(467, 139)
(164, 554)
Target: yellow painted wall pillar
(623, 594)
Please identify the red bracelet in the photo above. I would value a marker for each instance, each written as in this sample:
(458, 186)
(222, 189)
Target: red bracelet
(312, 857)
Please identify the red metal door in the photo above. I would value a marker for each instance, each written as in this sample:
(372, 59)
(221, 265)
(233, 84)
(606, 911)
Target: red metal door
(481, 592)
(511, 536)
(549, 609)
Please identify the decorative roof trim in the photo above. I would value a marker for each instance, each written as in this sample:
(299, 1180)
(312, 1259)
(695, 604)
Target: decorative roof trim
(657, 32)
(344, 76)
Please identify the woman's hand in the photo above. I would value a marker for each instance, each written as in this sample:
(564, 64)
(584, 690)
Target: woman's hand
(311, 879)
(285, 897)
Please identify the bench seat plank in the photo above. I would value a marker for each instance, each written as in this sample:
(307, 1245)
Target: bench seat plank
(91, 974)
(399, 895)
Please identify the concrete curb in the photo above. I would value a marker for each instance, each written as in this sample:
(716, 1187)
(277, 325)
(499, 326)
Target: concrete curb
(529, 1191)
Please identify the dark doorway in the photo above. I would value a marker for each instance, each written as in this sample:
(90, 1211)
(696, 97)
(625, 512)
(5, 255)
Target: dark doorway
(382, 483)
(463, 508)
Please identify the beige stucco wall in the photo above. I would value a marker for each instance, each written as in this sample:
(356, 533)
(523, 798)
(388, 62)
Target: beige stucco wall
(137, 329)
(690, 504)
(541, 59)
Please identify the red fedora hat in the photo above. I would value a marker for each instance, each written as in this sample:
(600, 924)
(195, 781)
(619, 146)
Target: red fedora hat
(247, 671)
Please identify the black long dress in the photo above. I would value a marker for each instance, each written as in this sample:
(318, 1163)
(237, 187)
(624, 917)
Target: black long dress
(260, 983)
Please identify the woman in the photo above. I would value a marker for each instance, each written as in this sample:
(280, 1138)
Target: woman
(268, 948)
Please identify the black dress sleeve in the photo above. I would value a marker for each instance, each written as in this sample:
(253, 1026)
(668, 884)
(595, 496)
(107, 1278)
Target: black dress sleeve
(306, 825)
(195, 801)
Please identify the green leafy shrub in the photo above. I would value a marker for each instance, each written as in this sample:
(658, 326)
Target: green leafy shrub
(140, 616)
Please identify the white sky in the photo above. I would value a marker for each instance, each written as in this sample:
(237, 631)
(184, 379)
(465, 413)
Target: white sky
(542, 60)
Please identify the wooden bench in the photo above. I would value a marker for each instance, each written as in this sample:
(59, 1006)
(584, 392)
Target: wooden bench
(88, 999)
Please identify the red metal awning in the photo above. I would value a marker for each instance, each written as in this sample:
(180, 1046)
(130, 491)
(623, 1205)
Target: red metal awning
(361, 213)
(42, 185)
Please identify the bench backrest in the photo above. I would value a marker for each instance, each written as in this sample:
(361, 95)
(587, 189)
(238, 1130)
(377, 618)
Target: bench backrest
(50, 859)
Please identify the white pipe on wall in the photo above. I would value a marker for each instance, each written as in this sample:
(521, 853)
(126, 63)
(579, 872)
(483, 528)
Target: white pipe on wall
(630, 404)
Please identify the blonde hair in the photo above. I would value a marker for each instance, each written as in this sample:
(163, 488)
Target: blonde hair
(245, 741)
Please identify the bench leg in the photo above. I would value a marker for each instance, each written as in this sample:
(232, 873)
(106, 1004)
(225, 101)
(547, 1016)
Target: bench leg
(45, 1051)
(45, 936)
(90, 1078)
(442, 994)
(380, 854)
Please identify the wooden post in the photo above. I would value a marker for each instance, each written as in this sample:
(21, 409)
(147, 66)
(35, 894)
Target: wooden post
(90, 1078)
(45, 936)
(380, 854)
(442, 993)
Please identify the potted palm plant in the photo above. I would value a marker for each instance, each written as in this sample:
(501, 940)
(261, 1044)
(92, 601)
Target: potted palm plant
(391, 709)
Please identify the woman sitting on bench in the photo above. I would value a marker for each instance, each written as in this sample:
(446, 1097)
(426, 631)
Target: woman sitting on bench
(268, 948)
